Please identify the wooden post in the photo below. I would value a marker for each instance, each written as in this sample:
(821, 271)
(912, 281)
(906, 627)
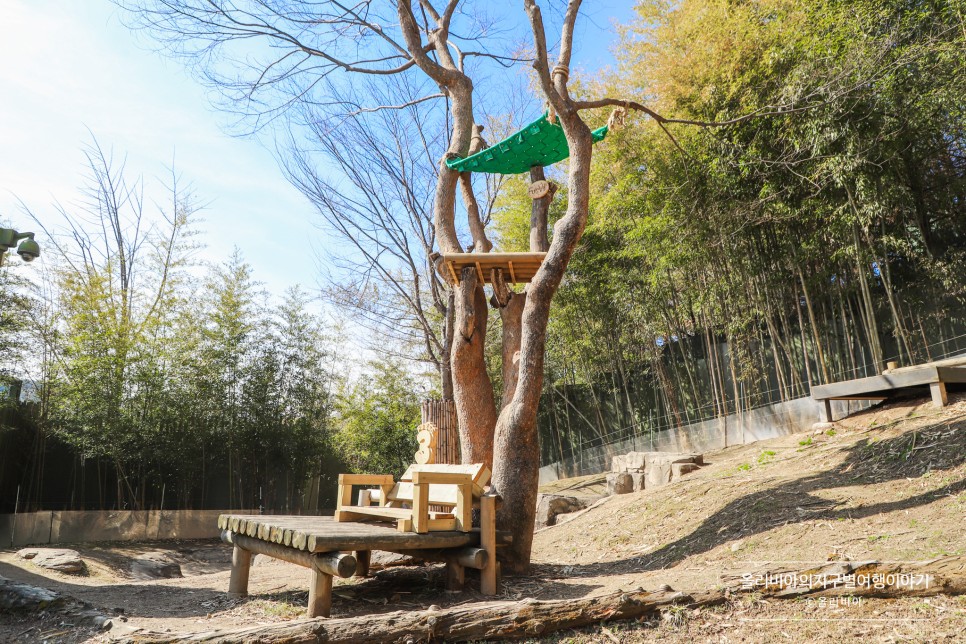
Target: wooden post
(345, 498)
(488, 576)
(421, 507)
(464, 507)
(826, 411)
(362, 562)
(455, 575)
(938, 391)
(320, 594)
(241, 563)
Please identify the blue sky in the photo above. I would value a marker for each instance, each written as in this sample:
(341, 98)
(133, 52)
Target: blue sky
(70, 66)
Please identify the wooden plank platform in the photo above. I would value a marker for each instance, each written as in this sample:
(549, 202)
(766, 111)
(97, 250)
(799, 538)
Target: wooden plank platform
(935, 376)
(518, 268)
(322, 545)
(325, 534)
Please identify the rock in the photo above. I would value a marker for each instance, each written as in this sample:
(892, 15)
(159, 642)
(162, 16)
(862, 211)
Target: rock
(639, 480)
(155, 565)
(680, 469)
(17, 596)
(619, 483)
(617, 463)
(657, 475)
(551, 505)
(634, 461)
(630, 462)
(59, 559)
(380, 559)
(820, 428)
(660, 466)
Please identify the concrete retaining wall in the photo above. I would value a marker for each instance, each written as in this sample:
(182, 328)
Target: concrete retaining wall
(761, 423)
(37, 528)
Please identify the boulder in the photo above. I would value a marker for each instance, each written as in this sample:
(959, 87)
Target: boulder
(17, 596)
(619, 483)
(59, 559)
(551, 505)
(379, 560)
(630, 462)
(155, 565)
(658, 473)
(617, 463)
(680, 469)
(639, 480)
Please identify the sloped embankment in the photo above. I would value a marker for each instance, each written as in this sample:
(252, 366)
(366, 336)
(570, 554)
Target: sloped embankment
(886, 484)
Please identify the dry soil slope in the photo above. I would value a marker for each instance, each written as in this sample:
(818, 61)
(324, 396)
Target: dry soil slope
(886, 484)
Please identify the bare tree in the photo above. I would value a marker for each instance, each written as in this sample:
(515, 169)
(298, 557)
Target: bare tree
(375, 195)
(288, 54)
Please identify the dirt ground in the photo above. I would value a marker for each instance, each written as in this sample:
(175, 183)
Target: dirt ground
(886, 484)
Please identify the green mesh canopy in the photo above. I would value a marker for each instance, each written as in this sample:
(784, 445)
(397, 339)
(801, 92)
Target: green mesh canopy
(541, 143)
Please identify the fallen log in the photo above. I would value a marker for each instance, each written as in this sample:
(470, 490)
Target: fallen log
(531, 618)
(484, 620)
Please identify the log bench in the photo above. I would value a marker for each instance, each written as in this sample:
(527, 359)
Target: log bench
(323, 545)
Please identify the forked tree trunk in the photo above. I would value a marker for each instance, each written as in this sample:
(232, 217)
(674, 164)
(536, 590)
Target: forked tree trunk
(473, 390)
(512, 317)
(516, 448)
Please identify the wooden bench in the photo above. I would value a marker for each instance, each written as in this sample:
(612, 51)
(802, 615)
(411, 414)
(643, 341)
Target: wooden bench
(934, 375)
(453, 490)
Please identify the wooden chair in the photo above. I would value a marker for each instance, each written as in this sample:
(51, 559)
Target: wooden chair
(427, 498)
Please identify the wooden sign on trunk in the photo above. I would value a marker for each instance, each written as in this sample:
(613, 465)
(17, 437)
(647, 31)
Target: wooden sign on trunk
(538, 189)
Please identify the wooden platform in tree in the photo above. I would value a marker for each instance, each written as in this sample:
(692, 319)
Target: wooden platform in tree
(518, 268)
(935, 376)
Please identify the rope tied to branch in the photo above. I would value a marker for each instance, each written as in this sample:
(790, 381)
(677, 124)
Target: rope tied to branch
(558, 70)
(616, 119)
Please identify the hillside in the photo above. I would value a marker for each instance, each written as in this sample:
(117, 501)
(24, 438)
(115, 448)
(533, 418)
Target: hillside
(888, 484)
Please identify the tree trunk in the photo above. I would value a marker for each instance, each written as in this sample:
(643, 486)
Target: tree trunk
(538, 213)
(473, 390)
(446, 359)
(516, 447)
(512, 317)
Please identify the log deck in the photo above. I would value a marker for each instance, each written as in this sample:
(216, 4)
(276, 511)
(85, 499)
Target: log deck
(935, 376)
(320, 544)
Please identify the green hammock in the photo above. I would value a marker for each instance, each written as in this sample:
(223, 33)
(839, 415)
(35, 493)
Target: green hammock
(541, 143)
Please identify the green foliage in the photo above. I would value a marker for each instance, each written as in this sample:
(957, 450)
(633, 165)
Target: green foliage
(16, 311)
(376, 418)
(816, 240)
(173, 380)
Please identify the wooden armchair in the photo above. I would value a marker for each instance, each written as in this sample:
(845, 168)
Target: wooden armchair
(427, 497)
